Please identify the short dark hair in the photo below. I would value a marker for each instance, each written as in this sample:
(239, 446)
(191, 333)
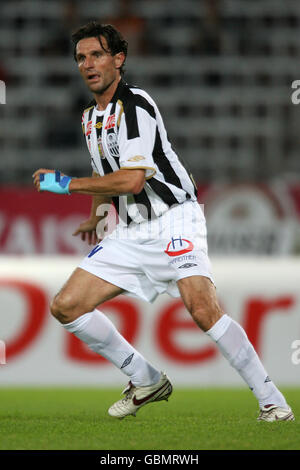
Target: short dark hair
(115, 41)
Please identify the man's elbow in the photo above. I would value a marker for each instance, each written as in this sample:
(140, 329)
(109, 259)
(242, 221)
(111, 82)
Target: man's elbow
(137, 181)
(137, 187)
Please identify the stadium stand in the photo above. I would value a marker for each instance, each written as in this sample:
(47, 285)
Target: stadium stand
(221, 72)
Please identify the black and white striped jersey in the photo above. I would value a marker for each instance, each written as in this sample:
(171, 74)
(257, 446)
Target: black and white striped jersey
(130, 134)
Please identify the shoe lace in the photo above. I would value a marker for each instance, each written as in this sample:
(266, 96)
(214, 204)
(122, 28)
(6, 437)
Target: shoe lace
(128, 392)
(267, 412)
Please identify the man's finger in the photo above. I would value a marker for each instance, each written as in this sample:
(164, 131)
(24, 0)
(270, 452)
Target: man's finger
(96, 239)
(37, 185)
(41, 170)
(37, 180)
(90, 238)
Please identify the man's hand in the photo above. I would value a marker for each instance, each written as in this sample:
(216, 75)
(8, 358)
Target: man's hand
(52, 181)
(87, 231)
(36, 176)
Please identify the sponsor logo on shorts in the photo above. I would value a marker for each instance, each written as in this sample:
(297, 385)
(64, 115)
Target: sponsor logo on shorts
(187, 265)
(179, 246)
(181, 259)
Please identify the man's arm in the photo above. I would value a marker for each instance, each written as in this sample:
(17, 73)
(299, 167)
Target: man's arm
(113, 184)
(87, 229)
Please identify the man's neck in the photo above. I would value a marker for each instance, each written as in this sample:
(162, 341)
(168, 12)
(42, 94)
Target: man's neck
(105, 98)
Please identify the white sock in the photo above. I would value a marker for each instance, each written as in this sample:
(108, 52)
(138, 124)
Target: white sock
(102, 337)
(234, 344)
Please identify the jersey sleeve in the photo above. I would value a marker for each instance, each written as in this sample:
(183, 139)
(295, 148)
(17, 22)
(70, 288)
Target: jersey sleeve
(136, 141)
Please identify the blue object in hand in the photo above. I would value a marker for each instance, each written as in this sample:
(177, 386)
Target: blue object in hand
(55, 183)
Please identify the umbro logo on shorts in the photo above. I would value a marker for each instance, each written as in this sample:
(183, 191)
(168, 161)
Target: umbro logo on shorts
(179, 246)
(187, 265)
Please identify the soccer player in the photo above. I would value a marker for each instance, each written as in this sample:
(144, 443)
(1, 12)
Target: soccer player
(159, 244)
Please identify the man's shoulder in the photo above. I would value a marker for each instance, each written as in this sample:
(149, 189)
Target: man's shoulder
(133, 91)
(89, 106)
(136, 96)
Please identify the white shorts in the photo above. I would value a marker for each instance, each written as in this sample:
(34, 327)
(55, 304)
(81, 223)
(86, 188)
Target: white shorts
(148, 259)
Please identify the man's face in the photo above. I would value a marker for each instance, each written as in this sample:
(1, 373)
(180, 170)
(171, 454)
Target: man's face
(98, 68)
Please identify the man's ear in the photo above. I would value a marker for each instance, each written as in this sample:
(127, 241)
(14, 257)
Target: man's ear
(119, 60)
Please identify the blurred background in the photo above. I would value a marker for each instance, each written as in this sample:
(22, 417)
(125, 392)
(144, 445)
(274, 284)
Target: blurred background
(221, 72)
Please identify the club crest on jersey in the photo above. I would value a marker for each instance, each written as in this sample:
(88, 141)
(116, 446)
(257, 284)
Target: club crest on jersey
(179, 246)
(111, 122)
(112, 144)
(88, 128)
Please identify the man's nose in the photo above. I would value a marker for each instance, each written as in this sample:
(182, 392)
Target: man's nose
(88, 62)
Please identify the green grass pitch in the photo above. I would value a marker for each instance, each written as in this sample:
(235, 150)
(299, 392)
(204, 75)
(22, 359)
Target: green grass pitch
(193, 419)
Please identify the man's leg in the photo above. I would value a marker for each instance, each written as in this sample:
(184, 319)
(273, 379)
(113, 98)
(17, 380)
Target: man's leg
(75, 308)
(199, 296)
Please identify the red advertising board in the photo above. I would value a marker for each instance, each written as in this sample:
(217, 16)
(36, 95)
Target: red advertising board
(262, 295)
(43, 223)
(40, 223)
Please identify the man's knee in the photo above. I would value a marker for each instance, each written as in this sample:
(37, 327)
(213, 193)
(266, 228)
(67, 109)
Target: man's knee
(62, 308)
(206, 313)
(199, 296)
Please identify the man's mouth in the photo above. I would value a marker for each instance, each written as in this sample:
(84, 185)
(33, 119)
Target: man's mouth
(93, 77)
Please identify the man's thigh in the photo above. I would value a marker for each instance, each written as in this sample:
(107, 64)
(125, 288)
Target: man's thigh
(84, 291)
(199, 297)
